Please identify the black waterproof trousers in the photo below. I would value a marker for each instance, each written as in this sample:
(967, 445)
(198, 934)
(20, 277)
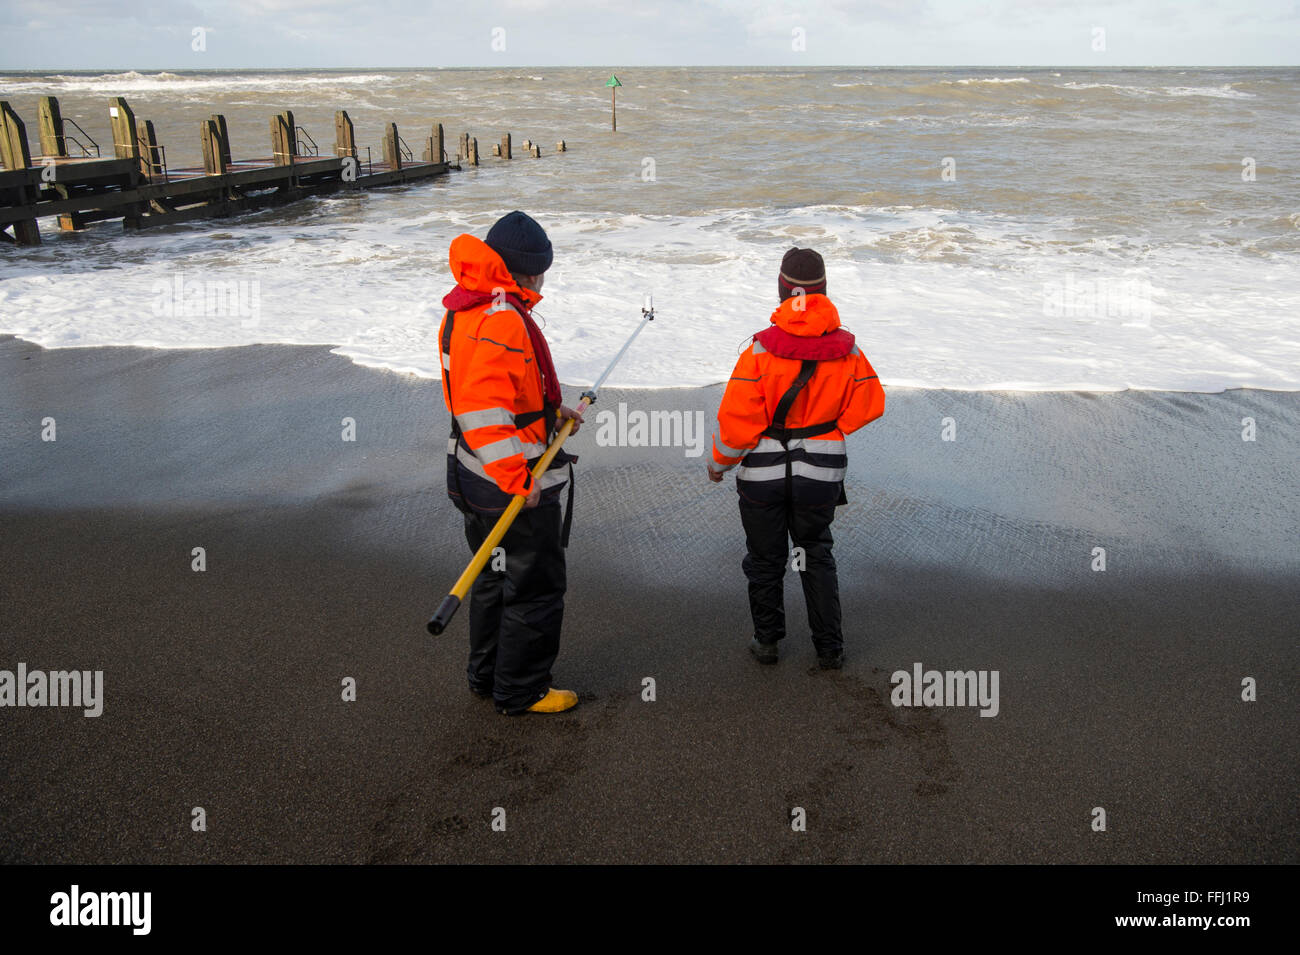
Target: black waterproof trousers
(515, 614)
(770, 531)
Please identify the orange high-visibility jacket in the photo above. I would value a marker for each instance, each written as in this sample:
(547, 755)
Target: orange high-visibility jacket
(491, 385)
(843, 394)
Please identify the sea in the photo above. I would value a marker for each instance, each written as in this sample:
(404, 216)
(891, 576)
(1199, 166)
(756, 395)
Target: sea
(986, 229)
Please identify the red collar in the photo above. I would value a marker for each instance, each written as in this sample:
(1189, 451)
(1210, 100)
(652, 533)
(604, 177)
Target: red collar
(782, 344)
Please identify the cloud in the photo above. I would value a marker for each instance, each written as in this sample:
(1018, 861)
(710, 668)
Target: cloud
(152, 34)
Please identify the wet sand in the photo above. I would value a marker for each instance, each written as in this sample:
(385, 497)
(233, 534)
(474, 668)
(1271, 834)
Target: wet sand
(1119, 689)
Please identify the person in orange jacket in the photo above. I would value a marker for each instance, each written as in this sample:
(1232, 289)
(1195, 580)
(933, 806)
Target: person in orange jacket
(795, 393)
(499, 383)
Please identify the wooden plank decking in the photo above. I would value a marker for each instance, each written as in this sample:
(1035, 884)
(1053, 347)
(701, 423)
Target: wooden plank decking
(136, 185)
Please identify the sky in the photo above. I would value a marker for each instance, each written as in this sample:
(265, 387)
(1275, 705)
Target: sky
(248, 34)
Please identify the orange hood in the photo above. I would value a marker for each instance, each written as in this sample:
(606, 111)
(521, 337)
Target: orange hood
(476, 267)
(817, 316)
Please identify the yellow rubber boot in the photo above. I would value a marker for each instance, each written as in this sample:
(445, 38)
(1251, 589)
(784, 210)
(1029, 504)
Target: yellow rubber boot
(555, 701)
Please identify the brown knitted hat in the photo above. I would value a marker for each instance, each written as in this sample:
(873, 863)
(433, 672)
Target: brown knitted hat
(801, 268)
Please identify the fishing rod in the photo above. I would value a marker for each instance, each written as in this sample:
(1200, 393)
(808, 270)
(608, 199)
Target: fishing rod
(451, 603)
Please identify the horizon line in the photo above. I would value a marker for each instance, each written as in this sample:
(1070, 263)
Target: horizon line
(668, 66)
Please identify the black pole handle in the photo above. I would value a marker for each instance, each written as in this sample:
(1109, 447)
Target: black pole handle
(446, 610)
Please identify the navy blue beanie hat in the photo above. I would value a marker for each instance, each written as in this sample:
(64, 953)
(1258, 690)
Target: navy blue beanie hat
(521, 243)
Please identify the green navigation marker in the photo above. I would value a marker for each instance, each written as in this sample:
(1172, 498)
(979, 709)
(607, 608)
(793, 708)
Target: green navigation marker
(612, 82)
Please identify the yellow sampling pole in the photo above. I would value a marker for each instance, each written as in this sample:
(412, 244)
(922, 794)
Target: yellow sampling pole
(451, 603)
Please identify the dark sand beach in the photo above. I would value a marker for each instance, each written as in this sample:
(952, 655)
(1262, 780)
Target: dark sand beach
(1118, 689)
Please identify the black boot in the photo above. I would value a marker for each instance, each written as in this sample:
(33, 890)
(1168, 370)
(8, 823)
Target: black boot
(831, 660)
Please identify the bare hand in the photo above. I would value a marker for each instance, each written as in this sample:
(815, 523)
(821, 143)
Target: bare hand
(567, 412)
(715, 476)
(534, 495)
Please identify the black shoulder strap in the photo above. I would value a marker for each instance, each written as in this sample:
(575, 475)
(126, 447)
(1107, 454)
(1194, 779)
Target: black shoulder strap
(777, 428)
(806, 370)
(446, 331)
(454, 468)
(446, 372)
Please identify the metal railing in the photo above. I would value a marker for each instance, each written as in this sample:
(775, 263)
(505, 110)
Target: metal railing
(156, 163)
(404, 149)
(85, 152)
(356, 156)
(302, 147)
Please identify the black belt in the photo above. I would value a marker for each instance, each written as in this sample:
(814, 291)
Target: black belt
(780, 432)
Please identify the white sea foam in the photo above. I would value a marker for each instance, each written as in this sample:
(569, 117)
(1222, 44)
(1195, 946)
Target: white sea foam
(1225, 91)
(1067, 253)
(937, 298)
(133, 82)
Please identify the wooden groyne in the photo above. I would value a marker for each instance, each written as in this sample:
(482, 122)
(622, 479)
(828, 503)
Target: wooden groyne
(69, 178)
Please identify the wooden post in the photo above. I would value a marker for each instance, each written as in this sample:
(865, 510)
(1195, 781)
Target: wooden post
(291, 132)
(463, 151)
(392, 147)
(433, 149)
(345, 137)
(472, 151)
(225, 138)
(54, 144)
(214, 154)
(536, 151)
(13, 144)
(151, 163)
(51, 119)
(122, 120)
(505, 146)
(16, 155)
(284, 139)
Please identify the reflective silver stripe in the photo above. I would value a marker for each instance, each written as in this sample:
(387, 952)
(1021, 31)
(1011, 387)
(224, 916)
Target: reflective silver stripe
(819, 445)
(482, 419)
(530, 451)
(501, 307)
(549, 479)
(815, 445)
(446, 361)
(471, 462)
(726, 449)
(776, 472)
(758, 348)
(856, 350)
(552, 478)
(496, 450)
